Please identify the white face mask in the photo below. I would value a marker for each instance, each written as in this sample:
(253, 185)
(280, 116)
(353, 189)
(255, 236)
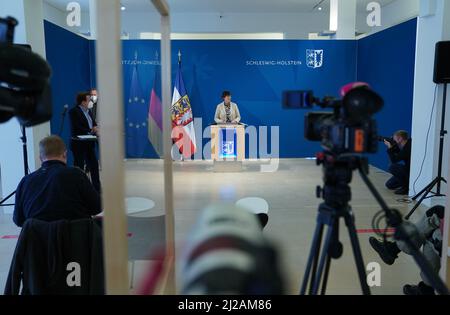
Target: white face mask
(91, 105)
(94, 98)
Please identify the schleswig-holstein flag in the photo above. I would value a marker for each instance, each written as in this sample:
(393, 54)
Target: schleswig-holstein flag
(183, 133)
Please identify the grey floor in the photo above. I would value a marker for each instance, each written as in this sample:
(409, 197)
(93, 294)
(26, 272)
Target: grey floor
(290, 193)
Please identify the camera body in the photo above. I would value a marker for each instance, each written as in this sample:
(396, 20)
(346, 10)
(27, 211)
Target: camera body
(25, 90)
(388, 139)
(338, 136)
(7, 27)
(349, 128)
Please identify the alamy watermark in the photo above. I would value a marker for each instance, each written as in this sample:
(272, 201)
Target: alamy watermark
(263, 144)
(73, 278)
(373, 274)
(74, 16)
(373, 18)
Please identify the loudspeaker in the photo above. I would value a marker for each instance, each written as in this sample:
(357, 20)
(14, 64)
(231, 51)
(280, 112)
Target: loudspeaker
(442, 63)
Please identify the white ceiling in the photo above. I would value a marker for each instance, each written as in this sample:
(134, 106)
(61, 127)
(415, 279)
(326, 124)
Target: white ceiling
(224, 6)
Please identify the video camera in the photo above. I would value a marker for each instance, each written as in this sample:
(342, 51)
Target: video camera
(349, 128)
(24, 80)
(227, 253)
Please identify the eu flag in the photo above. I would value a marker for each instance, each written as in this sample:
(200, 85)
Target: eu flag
(136, 119)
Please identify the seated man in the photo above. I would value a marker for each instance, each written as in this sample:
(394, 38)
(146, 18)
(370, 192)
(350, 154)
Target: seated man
(430, 232)
(400, 155)
(55, 191)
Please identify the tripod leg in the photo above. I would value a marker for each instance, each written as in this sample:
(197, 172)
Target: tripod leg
(424, 195)
(428, 188)
(313, 257)
(325, 276)
(7, 198)
(335, 251)
(324, 257)
(350, 222)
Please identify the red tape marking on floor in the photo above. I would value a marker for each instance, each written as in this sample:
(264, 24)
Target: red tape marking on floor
(9, 237)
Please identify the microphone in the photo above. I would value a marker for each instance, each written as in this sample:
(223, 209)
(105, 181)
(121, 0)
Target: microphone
(66, 108)
(63, 114)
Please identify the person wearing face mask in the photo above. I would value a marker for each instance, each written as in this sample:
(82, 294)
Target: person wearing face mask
(83, 123)
(93, 103)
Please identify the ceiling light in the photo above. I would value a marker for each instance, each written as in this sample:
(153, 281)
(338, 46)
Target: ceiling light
(123, 8)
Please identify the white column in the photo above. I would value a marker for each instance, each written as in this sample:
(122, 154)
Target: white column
(110, 84)
(433, 26)
(343, 18)
(30, 30)
(92, 18)
(166, 84)
(34, 24)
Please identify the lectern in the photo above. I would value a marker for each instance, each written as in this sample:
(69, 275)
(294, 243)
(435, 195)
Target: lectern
(228, 147)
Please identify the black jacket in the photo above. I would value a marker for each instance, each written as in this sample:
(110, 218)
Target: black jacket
(397, 155)
(79, 125)
(55, 192)
(94, 112)
(57, 258)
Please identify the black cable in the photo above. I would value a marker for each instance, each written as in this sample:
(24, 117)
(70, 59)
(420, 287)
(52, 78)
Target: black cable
(426, 142)
(376, 224)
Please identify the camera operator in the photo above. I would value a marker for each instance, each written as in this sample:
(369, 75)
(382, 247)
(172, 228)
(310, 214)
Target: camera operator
(399, 151)
(55, 191)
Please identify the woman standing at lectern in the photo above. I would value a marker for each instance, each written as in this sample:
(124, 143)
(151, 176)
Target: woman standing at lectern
(227, 112)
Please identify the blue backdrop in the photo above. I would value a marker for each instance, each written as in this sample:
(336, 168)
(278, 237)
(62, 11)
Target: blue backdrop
(69, 56)
(256, 71)
(386, 61)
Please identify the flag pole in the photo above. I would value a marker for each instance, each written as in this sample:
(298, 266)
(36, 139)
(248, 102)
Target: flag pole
(179, 66)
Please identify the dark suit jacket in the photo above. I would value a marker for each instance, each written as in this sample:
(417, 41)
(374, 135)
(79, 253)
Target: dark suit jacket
(78, 123)
(55, 192)
(45, 255)
(94, 111)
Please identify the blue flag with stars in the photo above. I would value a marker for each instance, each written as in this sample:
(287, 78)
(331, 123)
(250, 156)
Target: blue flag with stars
(136, 119)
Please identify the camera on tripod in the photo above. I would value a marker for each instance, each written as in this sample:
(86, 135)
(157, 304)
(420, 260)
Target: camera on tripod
(24, 80)
(349, 128)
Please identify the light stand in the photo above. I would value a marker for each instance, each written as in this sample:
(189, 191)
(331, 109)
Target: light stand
(25, 165)
(439, 179)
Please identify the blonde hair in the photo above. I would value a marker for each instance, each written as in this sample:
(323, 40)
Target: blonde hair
(50, 147)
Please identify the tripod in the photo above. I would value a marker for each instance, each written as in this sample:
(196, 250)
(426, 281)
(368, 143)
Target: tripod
(424, 193)
(25, 166)
(337, 194)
